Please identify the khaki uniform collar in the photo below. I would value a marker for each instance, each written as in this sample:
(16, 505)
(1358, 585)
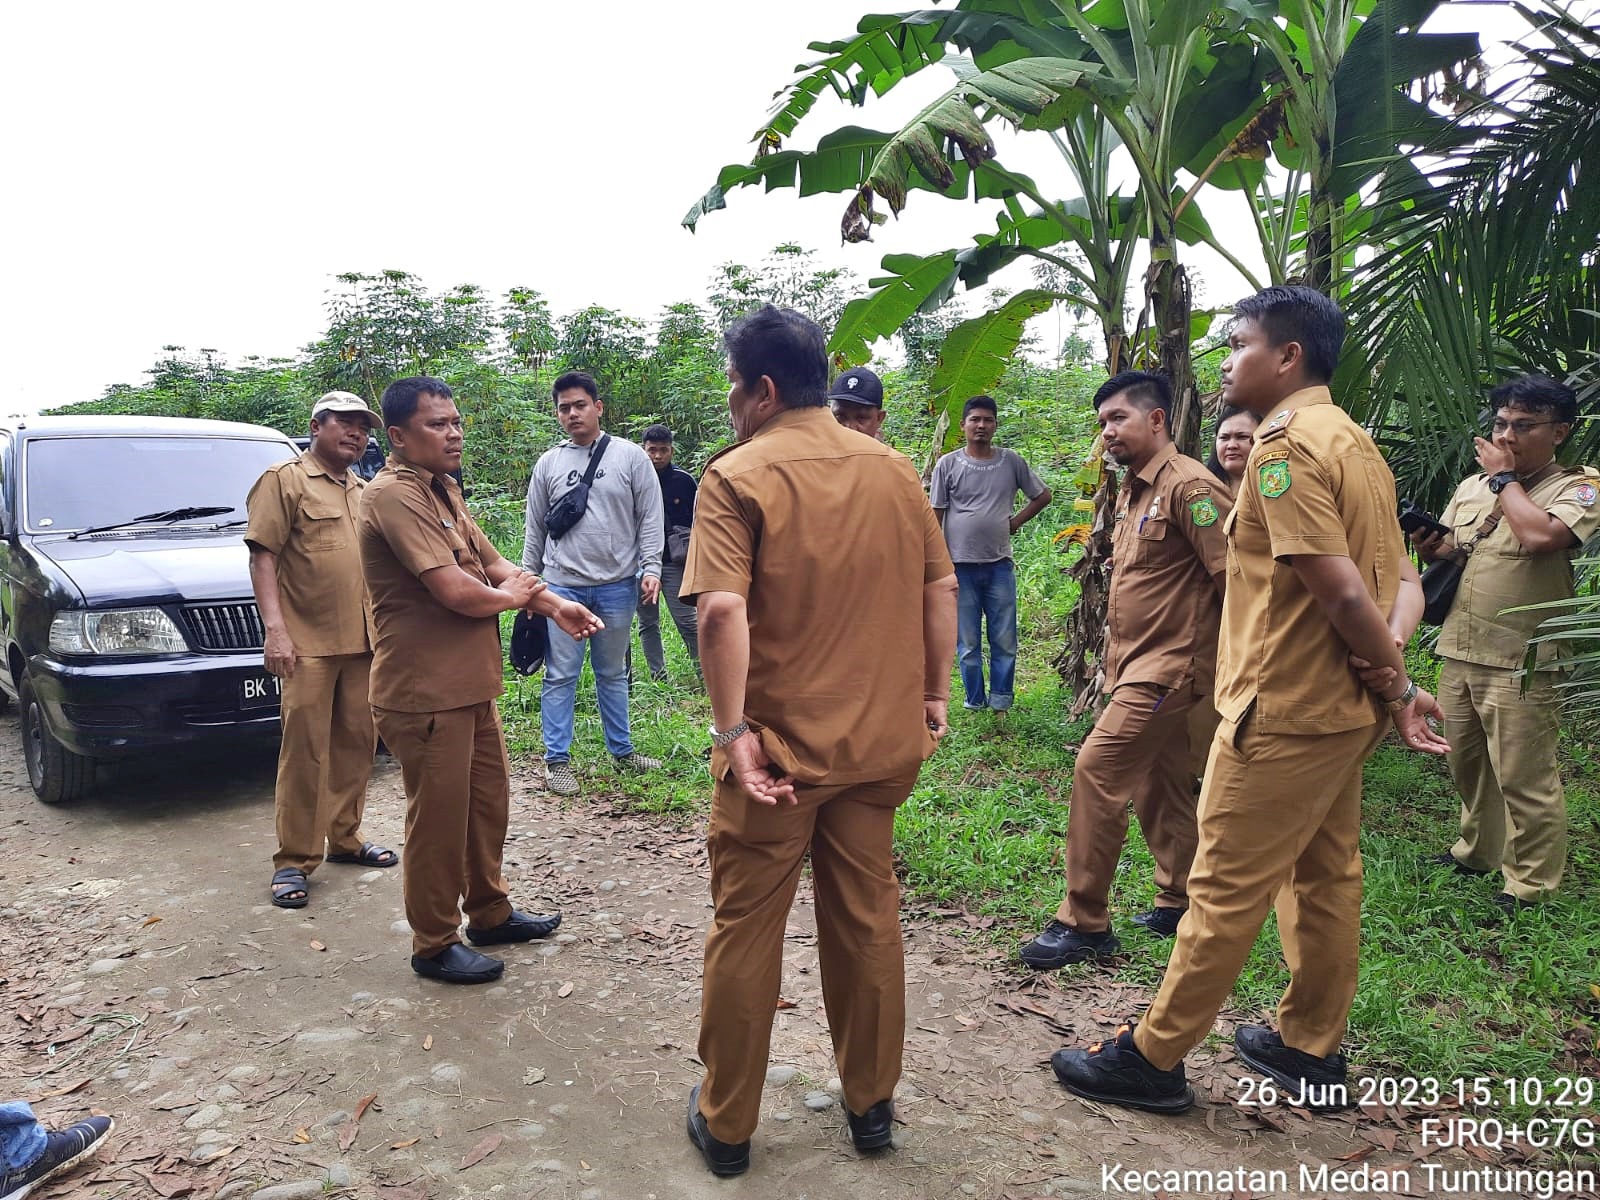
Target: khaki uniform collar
(1147, 473)
(311, 466)
(1304, 398)
(1539, 476)
(793, 416)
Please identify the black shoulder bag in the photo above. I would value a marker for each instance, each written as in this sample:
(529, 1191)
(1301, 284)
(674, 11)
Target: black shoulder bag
(568, 511)
(1443, 576)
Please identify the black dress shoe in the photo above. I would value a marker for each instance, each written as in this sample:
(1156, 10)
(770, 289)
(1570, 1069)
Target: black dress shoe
(1320, 1084)
(1061, 944)
(456, 964)
(873, 1129)
(1511, 905)
(1114, 1072)
(1455, 864)
(519, 927)
(1163, 922)
(724, 1158)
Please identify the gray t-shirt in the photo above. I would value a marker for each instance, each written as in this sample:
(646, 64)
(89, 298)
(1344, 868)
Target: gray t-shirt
(977, 496)
(621, 531)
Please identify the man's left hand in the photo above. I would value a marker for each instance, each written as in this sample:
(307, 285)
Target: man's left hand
(753, 771)
(937, 714)
(649, 589)
(1491, 457)
(1377, 679)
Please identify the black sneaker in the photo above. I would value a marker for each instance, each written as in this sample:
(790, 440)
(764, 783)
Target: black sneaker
(1114, 1072)
(1455, 864)
(1512, 905)
(62, 1151)
(724, 1158)
(1163, 922)
(1304, 1080)
(1061, 944)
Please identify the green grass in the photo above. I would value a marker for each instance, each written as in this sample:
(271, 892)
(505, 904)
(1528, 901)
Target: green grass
(1447, 989)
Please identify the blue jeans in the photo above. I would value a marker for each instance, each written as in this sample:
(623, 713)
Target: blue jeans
(988, 596)
(613, 603)
(22, 1138)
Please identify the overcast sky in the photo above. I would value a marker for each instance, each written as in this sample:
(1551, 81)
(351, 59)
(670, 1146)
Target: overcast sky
(196, 173)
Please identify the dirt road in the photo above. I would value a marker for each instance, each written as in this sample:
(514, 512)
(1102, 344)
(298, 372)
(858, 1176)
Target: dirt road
(237, 1043)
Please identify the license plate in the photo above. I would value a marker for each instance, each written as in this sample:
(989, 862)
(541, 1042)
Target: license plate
(260, 691)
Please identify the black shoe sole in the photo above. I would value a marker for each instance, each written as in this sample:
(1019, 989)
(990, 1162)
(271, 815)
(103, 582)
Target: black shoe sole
(429, 970)
(1293, 1085)
(535, 931)
(1166, 1106)
(1076, 956)
(867, 1143)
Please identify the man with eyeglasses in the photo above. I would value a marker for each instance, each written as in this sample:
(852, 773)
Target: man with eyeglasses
(1519, 523)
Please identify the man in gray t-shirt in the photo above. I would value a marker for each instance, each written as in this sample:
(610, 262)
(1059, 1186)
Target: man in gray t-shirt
(973, 491)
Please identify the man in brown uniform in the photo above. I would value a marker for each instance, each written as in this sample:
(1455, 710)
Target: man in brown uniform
(1314, 554)
(1161, 649)
(827, 608)
(305, 565)
(1524, 518)
(437, 587)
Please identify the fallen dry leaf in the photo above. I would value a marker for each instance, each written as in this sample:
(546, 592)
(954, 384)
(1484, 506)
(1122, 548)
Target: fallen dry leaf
(366, 1103)
(348, 1132)
(783, 1004)
(302, 1136)
(64, 1091)
(149, 921)
(582, 1166)
(316, 945)
(564, 990)
(482, 1150)
(405, 1145)
(427, 1042)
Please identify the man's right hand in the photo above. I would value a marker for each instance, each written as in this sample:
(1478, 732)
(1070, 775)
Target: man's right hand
(1412, 724)
(1429, 545)
(279, 653)
(753, 771)
(522, 586)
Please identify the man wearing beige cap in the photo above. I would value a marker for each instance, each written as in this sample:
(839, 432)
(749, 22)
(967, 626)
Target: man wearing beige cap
(305, 564)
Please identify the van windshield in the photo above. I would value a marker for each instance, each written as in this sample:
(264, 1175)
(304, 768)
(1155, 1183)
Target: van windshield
(75, 482)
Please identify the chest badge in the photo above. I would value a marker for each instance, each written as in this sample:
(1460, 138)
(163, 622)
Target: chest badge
(1203, 511)
(1274, 478)
(1585, 495)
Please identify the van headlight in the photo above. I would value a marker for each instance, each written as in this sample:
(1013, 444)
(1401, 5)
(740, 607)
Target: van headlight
(121, 631)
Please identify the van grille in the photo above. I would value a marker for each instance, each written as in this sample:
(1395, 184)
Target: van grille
(225, 626)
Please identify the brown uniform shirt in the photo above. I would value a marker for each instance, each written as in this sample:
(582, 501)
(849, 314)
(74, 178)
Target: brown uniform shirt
(1500, 574)
(1315, 484)
(1167, 544)
(427, 657)
(308, 521)
(829, 538)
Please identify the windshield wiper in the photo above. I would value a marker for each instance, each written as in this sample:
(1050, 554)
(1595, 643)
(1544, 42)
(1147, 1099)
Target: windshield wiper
(166, 517)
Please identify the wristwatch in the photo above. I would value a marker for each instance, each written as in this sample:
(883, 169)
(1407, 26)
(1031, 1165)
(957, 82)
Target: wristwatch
(1404, 698)
(727, 737)
(1499, 480)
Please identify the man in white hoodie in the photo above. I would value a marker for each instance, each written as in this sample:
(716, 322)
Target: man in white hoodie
(608, 561)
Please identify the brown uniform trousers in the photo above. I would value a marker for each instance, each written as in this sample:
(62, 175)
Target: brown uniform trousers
(324, 760)
(1503, 761)
(756, 851)
(1143, 735)
(458, 805)
(1281, 815)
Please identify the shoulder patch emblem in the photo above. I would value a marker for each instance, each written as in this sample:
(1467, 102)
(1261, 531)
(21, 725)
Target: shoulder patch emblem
(1274, 478)
(1204, 511)
(1585, 495)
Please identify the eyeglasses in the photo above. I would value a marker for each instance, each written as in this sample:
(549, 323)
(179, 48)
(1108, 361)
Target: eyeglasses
(1520, 428)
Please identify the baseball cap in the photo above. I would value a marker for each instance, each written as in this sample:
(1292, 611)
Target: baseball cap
(859, 386)
(344, 402)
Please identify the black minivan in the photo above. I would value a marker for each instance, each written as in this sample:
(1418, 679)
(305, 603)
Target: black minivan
(127, 619)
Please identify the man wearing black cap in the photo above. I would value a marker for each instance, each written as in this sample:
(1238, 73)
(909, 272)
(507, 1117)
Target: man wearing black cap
(857, 400)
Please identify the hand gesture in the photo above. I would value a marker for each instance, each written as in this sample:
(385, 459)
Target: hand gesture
(1492, 457)
(279, 653)
(936, 713)
(753, 771)
(1412, 724)
(649, 589)
(574, 619)
(522, 586)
